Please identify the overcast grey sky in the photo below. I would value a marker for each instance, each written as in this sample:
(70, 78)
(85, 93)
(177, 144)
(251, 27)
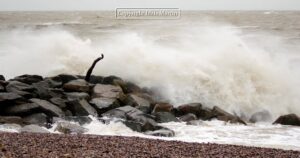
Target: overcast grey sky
(11, 5)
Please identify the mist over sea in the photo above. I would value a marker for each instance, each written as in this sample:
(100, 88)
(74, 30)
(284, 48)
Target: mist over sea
(243, 62)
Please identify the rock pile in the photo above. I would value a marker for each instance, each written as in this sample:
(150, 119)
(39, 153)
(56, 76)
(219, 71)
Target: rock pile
(34, 100)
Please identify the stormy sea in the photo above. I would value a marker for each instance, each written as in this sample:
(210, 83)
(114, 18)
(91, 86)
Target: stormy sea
(244, 62)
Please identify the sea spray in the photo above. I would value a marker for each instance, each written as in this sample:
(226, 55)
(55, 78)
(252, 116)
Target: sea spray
(215, 64)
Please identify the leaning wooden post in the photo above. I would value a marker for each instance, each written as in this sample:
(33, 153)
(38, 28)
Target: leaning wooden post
(89, 73)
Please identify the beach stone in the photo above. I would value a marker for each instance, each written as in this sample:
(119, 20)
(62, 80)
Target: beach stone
(77, 96)
(162, 107)
(162, 117)
(37, 119)
(82, 108)
(188, 117)
(33, 129)
(48, 107)
(22, 108)
(104, 104)
(290, 119)
(78, 85)
(20, 88)
(222, 115)
(4, 96)
(261, 116)
(11, 120)
(107, 91)
(28, 79)
(2, 78)
(135, 101)
(70, 128)
(59, 102)
(164, 132)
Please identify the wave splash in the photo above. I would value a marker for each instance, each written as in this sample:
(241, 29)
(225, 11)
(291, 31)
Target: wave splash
(214, 64)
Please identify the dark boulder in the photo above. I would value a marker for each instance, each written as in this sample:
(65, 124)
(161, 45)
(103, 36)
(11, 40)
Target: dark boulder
(194, 108)
(188, 117)
(22, 109)
(81, 108)
(107, 91)
(104, 104)
(40, 119)
(135, 101)
(95, 79)
(20, 88)
(4, 97)
(261, 116)
(111, 80)
(225, 116)
(47, 89)
(162, 107)
(78, 85)
(129, 87)
(69, 128)
(81, 120)
(2, 88)
(33, 129)
(115, 113)
(290, 119)
(28, 79)
(2, 78)
(164, 132)
(48, 107)
(64, 78)
(77, 96)
(11, 120)
(59, 102)
(162, 117)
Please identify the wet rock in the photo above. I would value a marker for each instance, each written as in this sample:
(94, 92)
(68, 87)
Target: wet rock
(162, 117)
(115, 113)
(78, 85)
(161, 133)
(194, 108)
(81, 120)
(107, 91)
(95, 79)
(77, 96)
(20, 88)
(2, 88)
(162, 107)
(129, 87)
(11, 120)
(70, 128)
(9, 96)
(225, 116)
(33, 129)
(144, 109)
(135, 126)
(44, 89)
(188, 117)
(2, 78)
(135, 101)
(48, 107)
(290, 119)
(104, 104)
(22, 109)
(111, 80)
(82, 108)
(28, 79)
(64, 78)
(261, 116)
(37, 119)
(59, 102)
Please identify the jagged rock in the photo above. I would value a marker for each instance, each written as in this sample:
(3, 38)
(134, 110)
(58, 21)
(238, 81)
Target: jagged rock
(33, 129)
(162, 107)
(44, 89)
(11, 120)
(188, 117)
(225, 116)
(28, 79)
(2, 78)
(77, 96)
(22, 109)
(81, 108)
(48, 107)
(38, 119)
(290, 119)
(111, 80)
(135, 101)
(20, 88)
(115, 113)
(78, 119)
(105, 104)
(164, 132)
(57, 92)
(64, 78)
(129, 87)
(107, 91)
(70, 128)
(9, 96)
(162, 117)
(264, 116)
(78, 85)
(194, 108)
(59, 102)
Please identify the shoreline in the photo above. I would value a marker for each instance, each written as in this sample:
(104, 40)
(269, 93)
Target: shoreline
(64, 145)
